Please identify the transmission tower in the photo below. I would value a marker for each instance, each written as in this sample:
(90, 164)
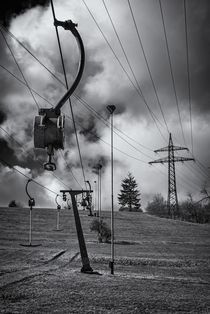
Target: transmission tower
(172, 202)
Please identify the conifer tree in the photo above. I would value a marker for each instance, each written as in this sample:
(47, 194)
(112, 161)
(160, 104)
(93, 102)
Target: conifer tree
(129, 196)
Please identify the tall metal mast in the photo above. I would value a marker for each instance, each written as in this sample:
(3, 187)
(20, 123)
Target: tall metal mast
(172, 202)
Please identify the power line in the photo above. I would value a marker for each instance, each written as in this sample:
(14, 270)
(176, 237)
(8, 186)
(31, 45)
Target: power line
(35, 92)
(201, 170)
(10, 166)
(24, 47)
(171, 71)
(107, 124)
(199, 164)
(8, 46)
(67, 165)
(137, 88)
(147, 64)
(29, 154)
(61, 82)
(188, 73)
(82, 125)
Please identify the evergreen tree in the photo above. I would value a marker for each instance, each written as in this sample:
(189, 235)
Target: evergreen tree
(129, 196)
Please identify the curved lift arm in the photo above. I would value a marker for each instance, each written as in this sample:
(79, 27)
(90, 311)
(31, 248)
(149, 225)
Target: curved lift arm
(31, 201)
(58, 205)
(69, 25)
(47, 133)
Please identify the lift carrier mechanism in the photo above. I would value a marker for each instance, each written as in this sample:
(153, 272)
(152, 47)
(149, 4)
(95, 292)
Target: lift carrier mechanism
(49, 124)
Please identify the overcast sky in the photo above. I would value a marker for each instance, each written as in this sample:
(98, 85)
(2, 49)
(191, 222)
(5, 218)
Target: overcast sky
(108, 78)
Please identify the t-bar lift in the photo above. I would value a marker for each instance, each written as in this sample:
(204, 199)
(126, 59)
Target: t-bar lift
(49, 124)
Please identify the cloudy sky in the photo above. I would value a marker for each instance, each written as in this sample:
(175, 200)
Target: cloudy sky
(136, 59)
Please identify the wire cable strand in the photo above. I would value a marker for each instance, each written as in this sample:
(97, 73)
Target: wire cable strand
(19, 68)
(199, 165)
(41, 185)
(171, 71)
(136, 87)
(22, 82)
(130, 156)
(188, 74)
(62, 83)
(147, 64)
(29, 154)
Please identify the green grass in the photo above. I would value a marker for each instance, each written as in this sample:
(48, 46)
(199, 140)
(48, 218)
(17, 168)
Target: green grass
(161, 266)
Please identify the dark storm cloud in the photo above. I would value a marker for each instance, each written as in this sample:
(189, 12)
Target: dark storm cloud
(89, 131)
(94, 165)
(7, 154)
(11, 8)
(3, 115)
(199, 51)
(10, 157)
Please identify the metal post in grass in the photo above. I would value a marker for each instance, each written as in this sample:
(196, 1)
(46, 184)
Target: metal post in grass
(31, 203)
(95, 196)
(111, 109)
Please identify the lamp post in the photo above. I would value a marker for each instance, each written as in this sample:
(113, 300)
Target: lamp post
(111, 109)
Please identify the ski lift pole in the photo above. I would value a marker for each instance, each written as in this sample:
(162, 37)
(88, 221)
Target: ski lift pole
(58, 213)
(31, 203)
(89, 198)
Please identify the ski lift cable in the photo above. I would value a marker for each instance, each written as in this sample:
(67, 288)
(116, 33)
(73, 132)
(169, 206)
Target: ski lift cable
(147, 64)
(188, 74)
(200, 164)
(171, 71)
(130, 156)
(16, 62)
(63, 84)
(201, 170)
(29, 154)
(20, 172)
(136, 86)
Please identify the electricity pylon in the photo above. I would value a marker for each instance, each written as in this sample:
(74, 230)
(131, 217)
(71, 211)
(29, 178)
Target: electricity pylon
(172, 202)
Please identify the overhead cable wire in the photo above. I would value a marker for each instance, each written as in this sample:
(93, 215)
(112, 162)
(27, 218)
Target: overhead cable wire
(122, 152)
(171, 71)
(8, 46)
(63, 84)
(107, 124)
(137, 88)
(33, 55)
(67, 165)
(22, 82)
(89, 131)
(41, 185)
(67, 87)
(147, 64)
(29, 154)
(188, 74)
(199, 164)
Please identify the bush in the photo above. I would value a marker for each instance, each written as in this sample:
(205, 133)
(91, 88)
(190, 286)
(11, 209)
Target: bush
(157, 206)
(12, 204)
(127, 209)
(103, 230)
